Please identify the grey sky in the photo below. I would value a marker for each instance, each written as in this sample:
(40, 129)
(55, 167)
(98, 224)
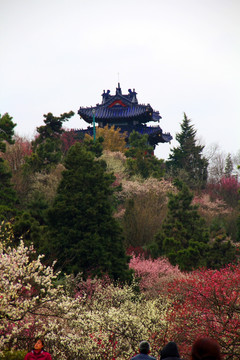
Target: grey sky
(179, 55)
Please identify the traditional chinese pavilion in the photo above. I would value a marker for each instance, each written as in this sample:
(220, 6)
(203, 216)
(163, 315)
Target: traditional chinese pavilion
(124, 112)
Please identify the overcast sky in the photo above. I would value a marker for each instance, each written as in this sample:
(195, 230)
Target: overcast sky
(179, 55)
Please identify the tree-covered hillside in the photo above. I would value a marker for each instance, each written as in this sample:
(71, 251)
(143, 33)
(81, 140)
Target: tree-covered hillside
(85, 206)
(102, 244)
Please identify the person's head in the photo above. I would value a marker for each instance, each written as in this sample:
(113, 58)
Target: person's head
(38, 345)
(205, 349)
(144, 347)
(170, 350)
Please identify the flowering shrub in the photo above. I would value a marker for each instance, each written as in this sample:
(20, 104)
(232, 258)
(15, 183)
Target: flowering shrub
(15, 156)
(106, 323)
(227, 189)
(30, 304)
(15, 153)
(207, 303)
(121, 318)
(96, 319)
(115, 162)
(45, 183)
(211, 209)
(131, 189)
(154, 274)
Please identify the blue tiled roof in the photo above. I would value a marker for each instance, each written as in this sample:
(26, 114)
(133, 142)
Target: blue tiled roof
(119, 106)
(103, 112)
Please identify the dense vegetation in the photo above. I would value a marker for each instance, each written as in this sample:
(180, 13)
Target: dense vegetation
(132, 244)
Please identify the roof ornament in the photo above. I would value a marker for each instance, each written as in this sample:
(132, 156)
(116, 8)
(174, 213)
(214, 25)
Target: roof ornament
(105, 96)
(118, 90)
(132, 96)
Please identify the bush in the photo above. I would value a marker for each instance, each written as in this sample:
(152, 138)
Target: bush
(13, 355)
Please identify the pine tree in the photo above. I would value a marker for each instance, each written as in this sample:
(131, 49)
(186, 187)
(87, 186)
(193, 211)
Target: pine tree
(82, 233)
(47, 147)
(140, 157)
(184, 236)
(186, 161)
(228, 166)
(6, 131)
(8, 196)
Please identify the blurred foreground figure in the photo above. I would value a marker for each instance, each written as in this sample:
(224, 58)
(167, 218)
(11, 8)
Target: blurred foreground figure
(205, 349)
(170, 352)
(144, 350)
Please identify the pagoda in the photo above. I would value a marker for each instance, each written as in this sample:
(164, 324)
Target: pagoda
(124, 112)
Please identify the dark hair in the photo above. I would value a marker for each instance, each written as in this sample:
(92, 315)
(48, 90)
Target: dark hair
(170, 350)
(39, 338)
(205, 349)
(144, 347)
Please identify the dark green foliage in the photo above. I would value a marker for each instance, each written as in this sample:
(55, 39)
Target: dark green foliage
(141, 160)
(186, 161)
(8, 198)
(47, 148)
(228, 166)
(29, 224)
(221, 252)
(82, 234)
(28, 228)
(52, 128)
(7, 193)
(184, 235)
(96, 147)
(6, 131)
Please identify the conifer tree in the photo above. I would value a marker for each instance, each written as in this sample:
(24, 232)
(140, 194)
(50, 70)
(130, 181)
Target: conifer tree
(228, 166)
(184, 236)
(8, 196)
(47, 147)
(186, 160)
(141, 159)
(82, 234)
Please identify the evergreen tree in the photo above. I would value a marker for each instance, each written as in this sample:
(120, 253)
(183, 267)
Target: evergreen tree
(82, 234)
(186, 161)
(47, 148)
(221, 252)
(184, 236)
(228, 166)
(8, 198)
(140, 157)
(6, 131)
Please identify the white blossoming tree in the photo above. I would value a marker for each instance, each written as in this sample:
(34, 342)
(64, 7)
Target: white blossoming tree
(108, 324)
(28, 297)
